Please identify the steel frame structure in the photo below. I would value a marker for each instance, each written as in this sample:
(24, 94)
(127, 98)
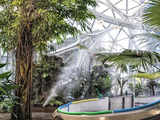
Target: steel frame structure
(119, 21)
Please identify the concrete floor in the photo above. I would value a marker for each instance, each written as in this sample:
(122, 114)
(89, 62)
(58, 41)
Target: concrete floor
(35, 116)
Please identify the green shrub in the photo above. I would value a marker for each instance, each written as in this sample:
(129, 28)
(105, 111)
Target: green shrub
(7, 99)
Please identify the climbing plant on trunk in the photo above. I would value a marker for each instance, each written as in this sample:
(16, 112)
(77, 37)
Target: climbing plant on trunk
(27, 26)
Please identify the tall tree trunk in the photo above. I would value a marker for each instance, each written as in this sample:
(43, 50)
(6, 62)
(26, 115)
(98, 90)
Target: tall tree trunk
(153, 91)
(121, 91)
(24, 53)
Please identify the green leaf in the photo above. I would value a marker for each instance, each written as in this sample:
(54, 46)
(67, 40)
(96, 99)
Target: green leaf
(2, 65)
(3, 91)
(134, 58)
(151, 76)
(5, 75)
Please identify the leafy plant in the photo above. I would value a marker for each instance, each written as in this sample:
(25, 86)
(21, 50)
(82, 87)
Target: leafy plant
(7, 99)
(151, 76)
(151, 83)
(28, 25)
(138, 89)
(100, 81)
(151, 13)
(45, 74)
(133, 58)
(121, 82)
(55, 102)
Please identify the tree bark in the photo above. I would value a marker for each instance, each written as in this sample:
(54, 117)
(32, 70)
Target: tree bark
(153, 91)
(121, 91)
(24, 56)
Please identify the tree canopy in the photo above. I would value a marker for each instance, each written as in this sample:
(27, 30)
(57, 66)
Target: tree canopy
(26, 25)
(46, 19)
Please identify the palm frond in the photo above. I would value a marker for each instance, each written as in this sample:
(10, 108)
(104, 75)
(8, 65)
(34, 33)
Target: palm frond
(130, 57)
(152, 13)
(151, 76)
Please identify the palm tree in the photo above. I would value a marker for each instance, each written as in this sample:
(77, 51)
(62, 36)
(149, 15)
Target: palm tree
(140, 58)
(121, 83)
(136, 89)
(152, 18)
(135, 59)
(151, 83)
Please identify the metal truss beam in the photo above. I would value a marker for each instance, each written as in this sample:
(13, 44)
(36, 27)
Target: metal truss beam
(116, 21)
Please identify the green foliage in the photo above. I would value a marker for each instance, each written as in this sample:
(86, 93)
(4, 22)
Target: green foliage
(131, 87)
(151, 76)
(47, 20)
(101, 82)
(121, 82)
(151, 17)
(151, 84)
(45, 74)
(108, 83)
(137, 88)
(55, 102)
(152, 12)
(133, 58)
(103, 86)
(7, 86)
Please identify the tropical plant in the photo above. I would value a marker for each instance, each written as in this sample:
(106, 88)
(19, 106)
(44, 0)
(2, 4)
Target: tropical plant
(7, 99)
(131, 87)
(132, 58)
(100, 81)
(138, 89)
(121, 82)
(45, 74)
(151, 14)
(103, 86)
(151, 18)
(28, 25)
(151, 76)
(151, 83)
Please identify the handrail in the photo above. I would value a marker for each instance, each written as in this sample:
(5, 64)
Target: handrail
(103, 112)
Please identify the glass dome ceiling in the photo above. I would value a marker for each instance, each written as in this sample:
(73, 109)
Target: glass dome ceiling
(118, 26)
